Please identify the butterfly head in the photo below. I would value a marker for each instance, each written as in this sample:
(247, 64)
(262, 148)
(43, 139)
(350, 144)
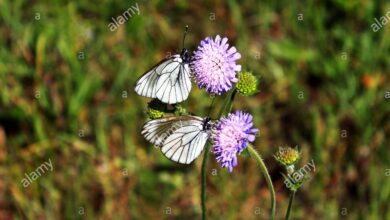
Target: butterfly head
(207, 124)
(185, 55)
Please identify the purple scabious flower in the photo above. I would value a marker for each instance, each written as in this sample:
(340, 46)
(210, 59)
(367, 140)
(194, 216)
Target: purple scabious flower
(214, 65)
(231, 137)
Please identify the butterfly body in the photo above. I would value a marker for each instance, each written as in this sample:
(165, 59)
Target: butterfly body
(206, 124)
(185, 56)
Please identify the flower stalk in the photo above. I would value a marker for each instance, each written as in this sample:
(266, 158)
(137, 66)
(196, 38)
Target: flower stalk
(292, 195)
(203, 190)
(264, 169)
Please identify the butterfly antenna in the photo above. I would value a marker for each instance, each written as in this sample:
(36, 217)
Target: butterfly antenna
(211, 106)
(185, 33)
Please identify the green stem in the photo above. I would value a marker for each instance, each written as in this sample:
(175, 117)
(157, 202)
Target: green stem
(203, 193)
(263, 168)
(292, 195)
(227, 105)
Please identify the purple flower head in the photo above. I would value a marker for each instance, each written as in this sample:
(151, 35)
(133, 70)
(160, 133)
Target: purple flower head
(214, 65)
(231, 137)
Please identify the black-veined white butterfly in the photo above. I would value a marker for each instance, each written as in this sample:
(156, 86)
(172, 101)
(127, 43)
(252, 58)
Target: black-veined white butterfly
(181, 138)
(169, 81)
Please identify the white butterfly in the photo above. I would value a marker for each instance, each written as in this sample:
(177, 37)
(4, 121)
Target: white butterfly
(181, 138)
(169, 81)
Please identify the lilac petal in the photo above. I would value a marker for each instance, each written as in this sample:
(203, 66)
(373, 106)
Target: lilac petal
(224, 41)
(236, 56)
(251, 138)
(231, 51)
(217, 40)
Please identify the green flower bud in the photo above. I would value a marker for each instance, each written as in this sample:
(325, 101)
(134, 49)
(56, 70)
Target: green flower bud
(180, 110)
(156, 109)
(287, 156)
(155, 114)
(247, 84)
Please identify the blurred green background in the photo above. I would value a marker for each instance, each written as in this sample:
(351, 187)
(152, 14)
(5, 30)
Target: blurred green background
(66, 94)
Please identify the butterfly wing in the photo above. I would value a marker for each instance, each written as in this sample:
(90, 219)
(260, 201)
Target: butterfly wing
(185, 144)
(174, 84)
(181, 138)
(146, 85)
(169, 81)
(156, 131)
